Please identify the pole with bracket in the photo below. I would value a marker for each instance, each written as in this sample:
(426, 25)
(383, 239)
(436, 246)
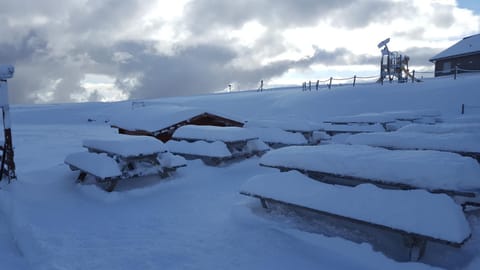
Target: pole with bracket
(8, 164)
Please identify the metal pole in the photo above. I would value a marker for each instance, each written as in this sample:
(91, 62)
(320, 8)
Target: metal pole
(330, 84)
(354, 80)
(455, 73)
(8, 163)
(463, 108)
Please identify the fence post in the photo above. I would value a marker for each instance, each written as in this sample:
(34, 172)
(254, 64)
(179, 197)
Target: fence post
(455, 73)
(330, 84)
(354, 80)
(413, 76)
(463, 108)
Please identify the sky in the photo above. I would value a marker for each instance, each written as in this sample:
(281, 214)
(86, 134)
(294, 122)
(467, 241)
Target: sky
(107, 50)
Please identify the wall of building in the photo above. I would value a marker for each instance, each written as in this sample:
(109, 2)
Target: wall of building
(447, 66)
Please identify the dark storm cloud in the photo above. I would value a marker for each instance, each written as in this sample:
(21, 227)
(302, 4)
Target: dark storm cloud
(419, 56)
(53, 44)
(204, 68)
(206, 14)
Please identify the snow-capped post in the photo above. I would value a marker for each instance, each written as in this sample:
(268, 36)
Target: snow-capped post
(7, 163)
(261, 86)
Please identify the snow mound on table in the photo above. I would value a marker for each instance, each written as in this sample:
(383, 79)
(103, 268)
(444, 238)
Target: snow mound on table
(443, 128)
(100, 165)
(169, 160)
(127, 146)
(413, 211)
(387, 117)
(353, 128)
(256, 146)
(213, 133)
(422, 169)
(455, 142)
(286, 123)
(215, 149)
(277, 135)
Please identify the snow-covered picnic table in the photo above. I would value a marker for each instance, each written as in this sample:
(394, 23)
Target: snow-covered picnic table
(123, 157)
(376, 122)
(465, 144)
(333, 129)
(215, 144)
(276, 137)
(442, 128)
(386, 117)
(300, 126)
(417, 215)
(402, 169)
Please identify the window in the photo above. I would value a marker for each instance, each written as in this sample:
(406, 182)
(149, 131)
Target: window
(447, 67)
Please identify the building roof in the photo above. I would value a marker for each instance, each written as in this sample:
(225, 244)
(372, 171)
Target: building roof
(155, 118)
(466, 46)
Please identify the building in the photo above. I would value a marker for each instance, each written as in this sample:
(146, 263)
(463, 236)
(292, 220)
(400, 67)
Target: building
(162, 121)
(463, 56)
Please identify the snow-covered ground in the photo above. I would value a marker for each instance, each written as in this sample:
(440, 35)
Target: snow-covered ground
(196, 219)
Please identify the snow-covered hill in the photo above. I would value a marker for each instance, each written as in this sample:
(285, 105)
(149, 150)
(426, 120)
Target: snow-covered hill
(196, 219)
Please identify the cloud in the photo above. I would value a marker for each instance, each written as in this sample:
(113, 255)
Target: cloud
(290, 13)
(54, 44)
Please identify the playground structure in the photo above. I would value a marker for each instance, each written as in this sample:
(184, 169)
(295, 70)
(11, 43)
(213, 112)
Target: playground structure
(393, 65)
(7, 162)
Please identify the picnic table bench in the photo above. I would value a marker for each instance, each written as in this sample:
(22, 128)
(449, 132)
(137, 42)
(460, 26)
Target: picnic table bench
(124, 157)
(352, 165)
(277, 138)
(389, 121)
(465, 144)
(416, 215)
(352, 128)
(308, 129)
(216, 144)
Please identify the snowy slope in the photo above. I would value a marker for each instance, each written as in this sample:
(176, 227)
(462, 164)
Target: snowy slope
(196, 219)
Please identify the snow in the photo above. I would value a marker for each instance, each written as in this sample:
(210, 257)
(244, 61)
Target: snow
(126, 146)
(384, 117)
(213, 133)
(215, 149)
(353, 128)
(424, 169)
(286, 123)
(256, 146)
(195, 219)
(169, 160)
(278, 136)
(454, 142)
(6, 71)
(412, 211)
(99, 165)
(443, 128)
